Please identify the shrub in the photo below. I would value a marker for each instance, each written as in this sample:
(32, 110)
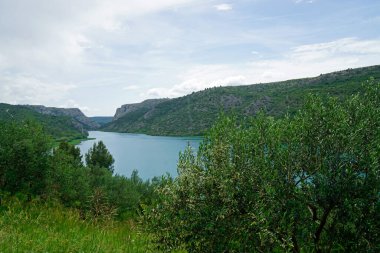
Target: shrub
(68, 180)
(24, 155)
(307, 183)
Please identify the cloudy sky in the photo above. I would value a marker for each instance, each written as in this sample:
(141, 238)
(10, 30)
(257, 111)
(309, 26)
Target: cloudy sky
(98, 55)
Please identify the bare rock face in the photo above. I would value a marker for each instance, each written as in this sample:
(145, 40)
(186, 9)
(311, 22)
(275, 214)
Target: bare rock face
(79, 119)
(147, 105)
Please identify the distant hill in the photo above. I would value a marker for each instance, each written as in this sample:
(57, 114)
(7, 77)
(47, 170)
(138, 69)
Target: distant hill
(79, 119)
(147, 105)
(59, 125)
(102, 120)
(195, 113)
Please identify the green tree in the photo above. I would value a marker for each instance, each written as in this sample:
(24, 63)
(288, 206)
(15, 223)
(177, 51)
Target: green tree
(99, 156)
(68, 180)
(24, 155)
(302, 184)
(72, 151)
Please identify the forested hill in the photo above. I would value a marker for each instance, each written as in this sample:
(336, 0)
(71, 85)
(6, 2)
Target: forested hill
(195, 113)
(80, 120)
(58, 126)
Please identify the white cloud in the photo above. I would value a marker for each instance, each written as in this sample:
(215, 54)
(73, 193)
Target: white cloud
(70, 103)
(223, 7)
(26, 89)
(59, 40)
(302, 61)
(342, 46)
(199, 78)
(113, 50)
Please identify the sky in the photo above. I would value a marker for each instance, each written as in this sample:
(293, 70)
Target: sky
(97, 55)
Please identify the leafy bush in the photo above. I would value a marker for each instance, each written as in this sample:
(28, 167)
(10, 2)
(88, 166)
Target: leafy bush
(306, 183)
(24, 155)
(68, 180)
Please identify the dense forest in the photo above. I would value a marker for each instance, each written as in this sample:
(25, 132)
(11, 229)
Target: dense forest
(195, 113)
(305, 182)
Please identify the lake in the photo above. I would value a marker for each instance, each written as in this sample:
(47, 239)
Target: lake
(150, 155)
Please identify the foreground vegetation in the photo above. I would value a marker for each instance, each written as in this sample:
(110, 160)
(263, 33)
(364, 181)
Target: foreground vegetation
(41, 227)
(308, 182)
(51, 202)
(194, 114)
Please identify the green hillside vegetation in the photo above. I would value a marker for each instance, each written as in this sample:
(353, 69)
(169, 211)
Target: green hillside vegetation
(194, 114)
(308, 183)
(59, 127)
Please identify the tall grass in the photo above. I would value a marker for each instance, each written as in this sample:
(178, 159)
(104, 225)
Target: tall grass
(39, 227)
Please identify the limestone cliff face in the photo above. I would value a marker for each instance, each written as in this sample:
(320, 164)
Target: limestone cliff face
(148, 105)
(79, 119)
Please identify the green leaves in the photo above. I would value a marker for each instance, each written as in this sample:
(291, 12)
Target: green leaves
(30, 166)
(306, 183)
(99, 157)
(24, 154)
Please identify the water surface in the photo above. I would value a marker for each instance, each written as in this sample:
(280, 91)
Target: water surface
(150, 155)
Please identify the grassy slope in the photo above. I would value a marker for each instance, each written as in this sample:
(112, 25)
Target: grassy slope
(60, 127)
(37, 227)
(195, 113)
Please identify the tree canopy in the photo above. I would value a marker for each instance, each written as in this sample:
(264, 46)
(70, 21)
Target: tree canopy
(305, 183)
(99, 156)
(24, 154)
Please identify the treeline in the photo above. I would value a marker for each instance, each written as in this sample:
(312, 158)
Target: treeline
(32, 166)
(308, 183)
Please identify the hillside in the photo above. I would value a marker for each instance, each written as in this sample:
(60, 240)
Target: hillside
(101, 120)
(147, 105)
(195, 113)
(80, 120)
(58, 126)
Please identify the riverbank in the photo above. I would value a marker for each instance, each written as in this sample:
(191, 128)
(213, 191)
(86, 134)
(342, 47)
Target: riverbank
(78, 141)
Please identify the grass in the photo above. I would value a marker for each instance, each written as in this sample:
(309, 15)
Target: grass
(38, 227)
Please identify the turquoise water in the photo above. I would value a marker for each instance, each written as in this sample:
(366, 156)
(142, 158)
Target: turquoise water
(150, 155)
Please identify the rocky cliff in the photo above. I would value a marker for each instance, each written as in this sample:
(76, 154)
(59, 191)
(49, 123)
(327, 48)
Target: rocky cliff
(60, 127)
(79, 119)
(148, 105)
